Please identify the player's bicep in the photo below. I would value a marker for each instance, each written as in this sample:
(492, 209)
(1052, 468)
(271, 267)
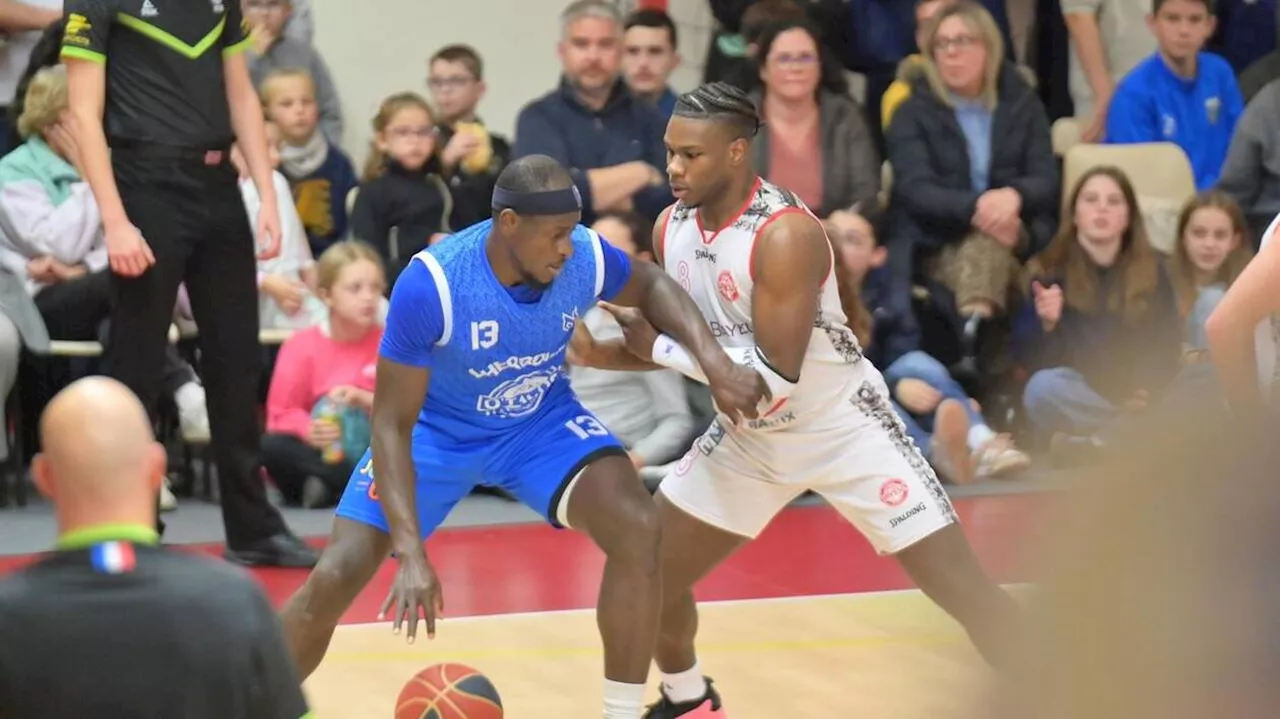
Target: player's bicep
(613, 269)
(419, 318)
(235, 31)
(790, 261)
(399, 393)
(88, 28)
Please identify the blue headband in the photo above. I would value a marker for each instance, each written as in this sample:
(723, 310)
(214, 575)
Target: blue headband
(550, 202)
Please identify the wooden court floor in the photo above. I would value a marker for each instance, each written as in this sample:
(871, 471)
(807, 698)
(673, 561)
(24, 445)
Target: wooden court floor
(806, 622)
(888, 655)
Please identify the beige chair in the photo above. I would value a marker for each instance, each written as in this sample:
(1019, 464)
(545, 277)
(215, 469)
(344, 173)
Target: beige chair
(1066, 135)
(1161, 175)
(75, 348)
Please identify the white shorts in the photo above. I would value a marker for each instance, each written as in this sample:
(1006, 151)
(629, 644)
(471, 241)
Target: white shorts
(856, 455)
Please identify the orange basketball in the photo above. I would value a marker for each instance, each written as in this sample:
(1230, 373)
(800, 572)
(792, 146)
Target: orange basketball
(449, 691)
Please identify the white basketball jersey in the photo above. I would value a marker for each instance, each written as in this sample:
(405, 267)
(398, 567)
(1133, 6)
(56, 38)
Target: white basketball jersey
(714, 267)
(1266, 341)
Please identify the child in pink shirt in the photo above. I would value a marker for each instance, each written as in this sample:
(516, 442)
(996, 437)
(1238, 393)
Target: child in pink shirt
(309, 455)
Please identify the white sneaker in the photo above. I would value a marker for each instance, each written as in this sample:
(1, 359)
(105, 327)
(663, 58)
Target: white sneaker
(193, 414)
(168, 502)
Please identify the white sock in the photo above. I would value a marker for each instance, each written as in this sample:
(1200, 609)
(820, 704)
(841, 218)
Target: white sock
(979, 434)
(189, 396)
(623, 701)
(685, 686)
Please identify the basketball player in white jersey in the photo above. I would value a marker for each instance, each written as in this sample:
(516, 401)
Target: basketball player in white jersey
(760, 268)
(1244, 332)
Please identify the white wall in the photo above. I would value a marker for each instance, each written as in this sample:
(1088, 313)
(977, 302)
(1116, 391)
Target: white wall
(374, 53)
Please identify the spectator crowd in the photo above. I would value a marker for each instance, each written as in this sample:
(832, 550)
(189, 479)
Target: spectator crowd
(1009, 310)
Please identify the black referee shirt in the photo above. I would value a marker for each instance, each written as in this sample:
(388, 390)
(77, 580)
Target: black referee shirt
(164, 66)
(111, 626)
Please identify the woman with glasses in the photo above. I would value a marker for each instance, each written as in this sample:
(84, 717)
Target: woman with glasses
(975, 181)
(815, 140)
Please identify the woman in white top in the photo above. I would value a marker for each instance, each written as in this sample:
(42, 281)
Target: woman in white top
(1244, 331)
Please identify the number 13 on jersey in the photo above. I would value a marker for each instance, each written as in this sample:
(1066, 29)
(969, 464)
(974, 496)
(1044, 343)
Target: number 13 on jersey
(585, 426)
(484, 334)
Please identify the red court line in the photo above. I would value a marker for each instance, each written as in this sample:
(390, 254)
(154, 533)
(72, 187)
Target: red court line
(806, 551)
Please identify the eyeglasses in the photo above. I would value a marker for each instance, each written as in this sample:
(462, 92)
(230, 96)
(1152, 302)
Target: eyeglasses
(412, 133)
(788, 60)
(958, 43)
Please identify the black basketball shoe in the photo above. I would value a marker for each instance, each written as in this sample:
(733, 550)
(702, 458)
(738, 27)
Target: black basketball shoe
(708, 707)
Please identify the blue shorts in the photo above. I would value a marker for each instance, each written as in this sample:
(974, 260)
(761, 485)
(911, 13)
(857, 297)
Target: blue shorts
(535, 464)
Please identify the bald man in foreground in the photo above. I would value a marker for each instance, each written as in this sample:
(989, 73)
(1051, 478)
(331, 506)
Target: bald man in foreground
(111, 624)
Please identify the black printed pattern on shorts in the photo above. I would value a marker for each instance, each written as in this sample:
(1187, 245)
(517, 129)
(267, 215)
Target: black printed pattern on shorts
(710, 439)
(873, 404)
(842, 339)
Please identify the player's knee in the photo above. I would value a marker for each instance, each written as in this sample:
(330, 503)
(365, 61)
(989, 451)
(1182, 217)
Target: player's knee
(638, 538)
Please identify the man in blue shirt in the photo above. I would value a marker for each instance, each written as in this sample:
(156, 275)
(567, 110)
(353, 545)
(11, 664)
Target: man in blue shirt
(479, 325)
(1181, 94)
(610, 140)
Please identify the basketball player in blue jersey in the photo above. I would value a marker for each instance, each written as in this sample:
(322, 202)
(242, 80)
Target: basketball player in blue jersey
(758, 264)
(479, 327)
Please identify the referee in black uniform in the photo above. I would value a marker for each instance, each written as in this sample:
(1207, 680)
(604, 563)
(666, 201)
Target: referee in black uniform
(164, 85)
(110, 625)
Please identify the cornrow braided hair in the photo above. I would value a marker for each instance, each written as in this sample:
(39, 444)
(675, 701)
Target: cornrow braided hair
(721, 102)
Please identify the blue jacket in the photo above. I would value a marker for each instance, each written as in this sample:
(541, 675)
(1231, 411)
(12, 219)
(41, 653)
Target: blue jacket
(321, 199)
(560, 126)
(1152, 104)
(1246, 31)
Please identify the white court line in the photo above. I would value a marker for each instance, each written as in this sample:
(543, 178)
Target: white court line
(858, 596)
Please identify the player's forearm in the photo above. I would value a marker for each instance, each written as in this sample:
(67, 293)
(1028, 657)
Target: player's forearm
(1231, 349)
(672, 311)
(251, 135)
(614, 355)
(96, 159)
(395, 477)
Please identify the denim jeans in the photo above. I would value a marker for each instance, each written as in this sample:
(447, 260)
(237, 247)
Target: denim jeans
(1061, 400)
(922, 366)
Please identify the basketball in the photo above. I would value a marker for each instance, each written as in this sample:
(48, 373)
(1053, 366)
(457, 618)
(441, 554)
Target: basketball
(449, 691)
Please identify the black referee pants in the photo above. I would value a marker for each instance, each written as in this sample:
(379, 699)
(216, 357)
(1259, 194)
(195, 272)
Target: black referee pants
(192, 215)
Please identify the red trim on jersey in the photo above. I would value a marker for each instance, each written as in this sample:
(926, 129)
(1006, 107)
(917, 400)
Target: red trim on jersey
(697, 216)
(652, 5)
(776, 406)
(661, 249)
(751, 258)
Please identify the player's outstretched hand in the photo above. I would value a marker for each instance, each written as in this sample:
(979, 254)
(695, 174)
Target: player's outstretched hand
(738, 390)
(416, 589)
(639, 334)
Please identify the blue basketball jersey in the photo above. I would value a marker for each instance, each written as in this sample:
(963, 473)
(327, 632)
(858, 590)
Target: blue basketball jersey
(496, 360)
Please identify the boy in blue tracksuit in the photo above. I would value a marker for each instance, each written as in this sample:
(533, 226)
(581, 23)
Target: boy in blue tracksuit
(1181, 94)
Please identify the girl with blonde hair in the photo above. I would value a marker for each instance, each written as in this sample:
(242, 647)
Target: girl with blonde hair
(322, 387)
